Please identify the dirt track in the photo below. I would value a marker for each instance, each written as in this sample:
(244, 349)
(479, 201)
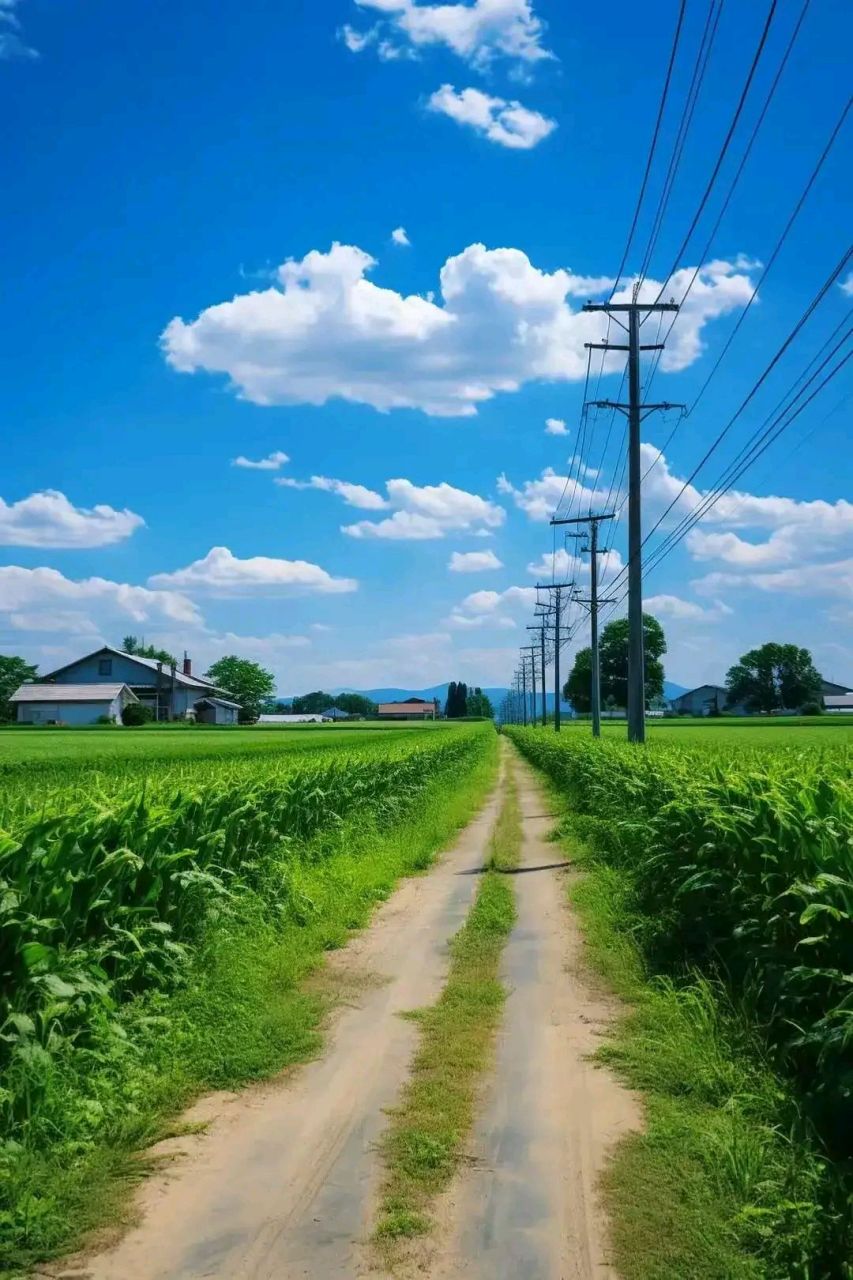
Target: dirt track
(283, 1183)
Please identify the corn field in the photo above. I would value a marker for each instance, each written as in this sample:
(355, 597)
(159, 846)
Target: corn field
(741, 863)
(106, 884)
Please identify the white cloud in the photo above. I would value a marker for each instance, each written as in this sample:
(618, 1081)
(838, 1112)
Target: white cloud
(12, 43)
(492, 608)
(355, 495)
(846, 286)
(473, 561)
(826, 579)
(479, 32)
(325, 330)
(539, 499)
(555, 427)
(429, 511)
(399, 236)
(560, 566)
(666, 606)
(507, 123)
(272, 462)
(43, 596)
(48, 519)
(224, 574)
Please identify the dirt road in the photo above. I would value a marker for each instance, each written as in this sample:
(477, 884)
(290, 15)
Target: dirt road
(283, 1182)
(525, 1203)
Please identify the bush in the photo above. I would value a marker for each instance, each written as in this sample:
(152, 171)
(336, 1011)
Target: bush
(135, 713)
(104, 719)
(811, 709)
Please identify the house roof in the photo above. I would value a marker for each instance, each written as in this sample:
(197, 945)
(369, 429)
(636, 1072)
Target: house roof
(702, 688)
(70, 693)
(335, 713)
(217, 702)
(411, 704)
(839, 701)
(151, 664)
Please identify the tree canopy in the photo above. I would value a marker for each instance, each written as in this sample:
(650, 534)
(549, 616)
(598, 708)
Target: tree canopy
(477, 704)
(613, 662)
(773, 677)
(355, 704)
(246, 681)
(131, 644)
(456, 705)
(13, 673)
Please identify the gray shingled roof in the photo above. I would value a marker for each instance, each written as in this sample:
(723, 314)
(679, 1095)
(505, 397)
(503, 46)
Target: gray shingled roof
(69, 693)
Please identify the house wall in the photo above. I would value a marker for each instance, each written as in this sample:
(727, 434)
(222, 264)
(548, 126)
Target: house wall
(68, 712)
(124, 671)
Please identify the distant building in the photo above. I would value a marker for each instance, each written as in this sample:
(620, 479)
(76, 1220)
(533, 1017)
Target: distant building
(707, 700)
(838, 703)
(171, 694)
(335, 713)
(70, 703)
(409, 709)
(829, 687)
(295, 717)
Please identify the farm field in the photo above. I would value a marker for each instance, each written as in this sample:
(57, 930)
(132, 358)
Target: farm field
(159, 915)
(748, 731)
(729, 864)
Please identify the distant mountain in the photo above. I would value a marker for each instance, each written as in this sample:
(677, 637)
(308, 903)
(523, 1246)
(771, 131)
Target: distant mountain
(495, 695)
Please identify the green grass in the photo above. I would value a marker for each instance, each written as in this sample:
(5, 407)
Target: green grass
(244, 1011)
(424, 1142)
(743, 731)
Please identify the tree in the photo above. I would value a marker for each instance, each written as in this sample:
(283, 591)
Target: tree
(313, 703)
(355, 704)
(578, 688)
(479, 705)
(13, 673)
(452, 701)
(247, 682)
(773, 677)
(613, 664)
(130, 644)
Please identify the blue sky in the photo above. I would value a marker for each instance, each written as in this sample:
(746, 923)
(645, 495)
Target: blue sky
(166, 160)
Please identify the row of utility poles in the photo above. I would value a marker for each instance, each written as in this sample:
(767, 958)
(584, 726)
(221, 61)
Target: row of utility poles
(635, 313)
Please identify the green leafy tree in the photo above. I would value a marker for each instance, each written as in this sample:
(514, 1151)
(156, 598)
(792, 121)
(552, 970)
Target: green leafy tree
(452, 702)
(613, 664)
(773, 677)
(246, 681)
(355, 704)
(313, 703)
(13, 673)
(478, 704)
(130, 644)
(578, 688)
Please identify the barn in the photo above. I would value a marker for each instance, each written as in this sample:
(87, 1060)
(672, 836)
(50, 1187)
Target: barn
(71, 703)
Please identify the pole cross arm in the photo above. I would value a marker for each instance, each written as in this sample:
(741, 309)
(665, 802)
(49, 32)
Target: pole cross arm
(623, 346)
(630, 306)
(611, 515)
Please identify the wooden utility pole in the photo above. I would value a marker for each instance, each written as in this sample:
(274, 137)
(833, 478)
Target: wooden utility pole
(593, 603)
(557, 588)
(635, 412)
(531, 649)
(540, 627)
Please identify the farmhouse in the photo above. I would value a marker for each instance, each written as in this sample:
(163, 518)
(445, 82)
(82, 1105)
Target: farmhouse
(410, 709)
(839, 703)
(707, 700)
(79, 693)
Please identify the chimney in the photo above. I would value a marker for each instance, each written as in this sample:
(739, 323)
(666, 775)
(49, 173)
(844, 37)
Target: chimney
(188, 664)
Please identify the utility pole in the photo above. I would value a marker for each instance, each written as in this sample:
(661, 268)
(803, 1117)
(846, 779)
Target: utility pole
(557, 588)
(523, 692)
(635, 412)
(593, 602)
(540, 627)
(531, 649)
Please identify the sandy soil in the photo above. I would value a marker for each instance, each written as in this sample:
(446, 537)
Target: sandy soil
(284, 1180)
(525, 1203)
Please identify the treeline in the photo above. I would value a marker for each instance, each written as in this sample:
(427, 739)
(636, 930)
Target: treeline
(462, 702)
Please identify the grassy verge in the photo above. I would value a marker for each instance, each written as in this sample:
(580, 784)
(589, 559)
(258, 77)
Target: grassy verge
(244, 1013)
(723, 1184)
(424, 1142)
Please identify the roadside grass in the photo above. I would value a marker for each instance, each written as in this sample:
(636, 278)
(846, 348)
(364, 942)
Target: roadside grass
(724, 1182)
(246, 1012)
(427, 1131)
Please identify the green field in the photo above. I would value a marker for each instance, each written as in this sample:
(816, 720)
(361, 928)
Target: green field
(748, 731)
(162, 896)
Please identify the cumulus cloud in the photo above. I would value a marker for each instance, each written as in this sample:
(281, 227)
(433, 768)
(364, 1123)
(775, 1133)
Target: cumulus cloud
(222, 573)
(473, 561)
(555, 427)
(48, 519)
(41, 596)
(846, 285)
(12, 42)
(492, 608)
(479, 33)
(833, 578)
(665, 606)
(540, 498)
(324, 330)
(354, 495)
(507, 123)
(560, 566)
(429, 511)
(399, 236)
(272, 462)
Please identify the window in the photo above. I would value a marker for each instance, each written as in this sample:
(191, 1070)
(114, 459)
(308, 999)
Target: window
(105, 666)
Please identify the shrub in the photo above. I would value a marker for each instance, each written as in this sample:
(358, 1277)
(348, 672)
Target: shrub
(811, 709)
(135, 713)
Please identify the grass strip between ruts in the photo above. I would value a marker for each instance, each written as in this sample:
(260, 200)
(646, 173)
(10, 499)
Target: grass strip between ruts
(428, 1129)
